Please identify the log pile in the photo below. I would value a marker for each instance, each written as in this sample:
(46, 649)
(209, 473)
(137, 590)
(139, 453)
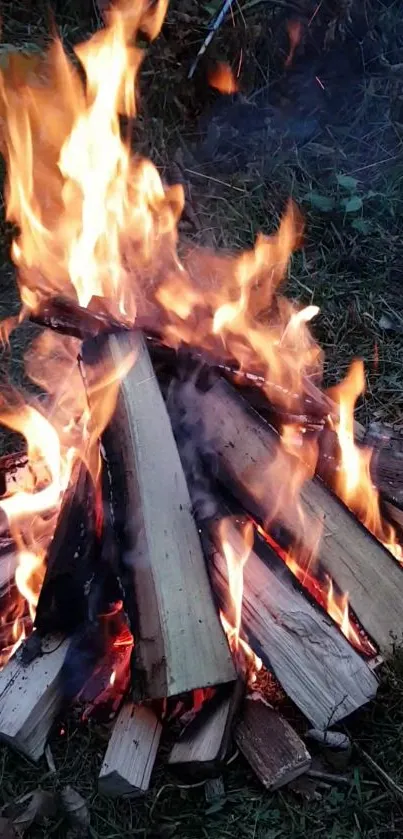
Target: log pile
(135, 595)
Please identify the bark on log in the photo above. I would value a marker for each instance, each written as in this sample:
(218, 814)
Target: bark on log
(245, 447)
(270, 745)
(179, 642)
(30, 698)
(131, 752)
(318, 669)
(204, 744)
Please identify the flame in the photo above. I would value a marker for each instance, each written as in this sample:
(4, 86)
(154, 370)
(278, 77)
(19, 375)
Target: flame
(244, 656)
(294, 29)
(223, 79)
(96, 221)
(353, 482)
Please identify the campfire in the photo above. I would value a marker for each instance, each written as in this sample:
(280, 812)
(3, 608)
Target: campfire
(191, 508)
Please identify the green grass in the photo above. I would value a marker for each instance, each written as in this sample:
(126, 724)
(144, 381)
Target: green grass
(351, 266)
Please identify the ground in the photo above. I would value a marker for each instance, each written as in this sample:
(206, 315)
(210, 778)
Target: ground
(332, 137)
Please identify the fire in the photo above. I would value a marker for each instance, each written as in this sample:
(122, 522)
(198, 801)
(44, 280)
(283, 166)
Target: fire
(97, 225)
(294, 29)
(223, 79)
(353, 482)
(322, 590)
(244, 656)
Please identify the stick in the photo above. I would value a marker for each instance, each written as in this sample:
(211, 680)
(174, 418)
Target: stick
(131, 752)
(179, 642)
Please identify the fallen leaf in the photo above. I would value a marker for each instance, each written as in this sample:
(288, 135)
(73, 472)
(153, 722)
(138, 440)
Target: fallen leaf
(37, 806)
(6, 829)
(75, 807)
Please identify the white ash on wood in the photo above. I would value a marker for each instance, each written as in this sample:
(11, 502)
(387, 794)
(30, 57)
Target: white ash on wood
(316, 666)
(245, 446)
(131, 752)
(179, 642)
(31, 697)
(270, 745)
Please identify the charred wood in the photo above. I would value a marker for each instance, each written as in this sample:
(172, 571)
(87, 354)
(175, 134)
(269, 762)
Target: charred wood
(72, 560)
(204, 743)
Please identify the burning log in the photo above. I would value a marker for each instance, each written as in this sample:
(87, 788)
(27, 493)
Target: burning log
(64, 602)
(204, 744)
(270, 745)
(30, 698)
(245, 447)
(318, 669)
(179, 643)
(131, 752)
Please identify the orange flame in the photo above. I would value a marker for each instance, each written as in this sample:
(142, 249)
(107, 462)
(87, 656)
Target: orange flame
(223, 79)
(244, 656)
(94, 220)
(353, 482)
(294, 29)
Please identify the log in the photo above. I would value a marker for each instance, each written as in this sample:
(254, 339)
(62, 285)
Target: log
(245, 447)
(316, 666)
(270, 745)
(179, 642)
(31, 697)
(386, 463)
(72, 560)
(131, 752)
(204, 743)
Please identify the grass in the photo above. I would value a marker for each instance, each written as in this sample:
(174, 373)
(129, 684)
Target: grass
(351, 266)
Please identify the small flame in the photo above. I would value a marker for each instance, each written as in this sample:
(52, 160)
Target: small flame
(243, 654)
(353, 482)
(323, 592)
(294, 29)
(223, 79)
(112, 678)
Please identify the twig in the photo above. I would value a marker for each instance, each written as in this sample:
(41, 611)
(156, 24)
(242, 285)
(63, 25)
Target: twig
(214, 25)
(387, 780)
(328, 777)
